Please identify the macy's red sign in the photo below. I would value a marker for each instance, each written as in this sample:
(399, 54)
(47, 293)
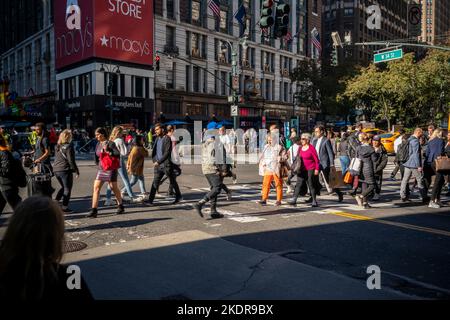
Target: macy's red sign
(119, 30)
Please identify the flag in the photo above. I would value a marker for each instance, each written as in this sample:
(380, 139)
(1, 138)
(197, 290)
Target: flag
(240, 15)
(214, 5)
(315, 40)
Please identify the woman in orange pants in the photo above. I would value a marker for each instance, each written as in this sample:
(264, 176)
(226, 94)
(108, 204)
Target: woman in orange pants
(270, 161)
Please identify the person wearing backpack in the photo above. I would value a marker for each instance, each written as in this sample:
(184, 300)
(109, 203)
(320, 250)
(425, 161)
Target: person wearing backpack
(9, 179)
(64, 167)
(413, 167)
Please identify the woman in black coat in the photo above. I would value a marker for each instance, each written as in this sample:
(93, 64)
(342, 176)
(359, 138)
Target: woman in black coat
(366, 153)
(9, 191)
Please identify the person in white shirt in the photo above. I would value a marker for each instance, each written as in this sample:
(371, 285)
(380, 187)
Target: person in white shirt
(292, 154)
(397, 143)
(228, 145)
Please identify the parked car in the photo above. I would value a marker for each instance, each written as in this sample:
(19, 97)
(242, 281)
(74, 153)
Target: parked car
(387, 139)
(373, 131)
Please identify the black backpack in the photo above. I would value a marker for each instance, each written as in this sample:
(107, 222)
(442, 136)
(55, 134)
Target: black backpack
(403, 152)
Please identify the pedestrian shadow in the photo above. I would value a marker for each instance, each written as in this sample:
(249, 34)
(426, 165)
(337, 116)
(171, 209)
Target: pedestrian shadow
(116, 224)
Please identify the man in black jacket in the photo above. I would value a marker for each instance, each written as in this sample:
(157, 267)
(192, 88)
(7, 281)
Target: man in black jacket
(9, 191)
(326, 156)
(161, 155)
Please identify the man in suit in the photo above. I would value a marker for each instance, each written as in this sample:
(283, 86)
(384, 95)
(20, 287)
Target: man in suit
(161, 155)
(326, 156)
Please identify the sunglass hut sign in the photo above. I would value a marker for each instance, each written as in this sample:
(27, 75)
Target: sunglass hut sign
(119, 29)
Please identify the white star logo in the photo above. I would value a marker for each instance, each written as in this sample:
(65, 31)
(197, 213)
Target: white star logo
(104, 41)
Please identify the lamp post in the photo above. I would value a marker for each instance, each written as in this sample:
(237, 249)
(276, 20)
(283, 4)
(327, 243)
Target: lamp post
(234, 69)
(109, 69)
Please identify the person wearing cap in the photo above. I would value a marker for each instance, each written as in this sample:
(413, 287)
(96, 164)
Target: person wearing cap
(380, 164)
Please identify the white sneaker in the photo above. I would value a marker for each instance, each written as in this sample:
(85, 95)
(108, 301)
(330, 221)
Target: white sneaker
(289, 190)
(359, 199)
(108, 202)
(434, 205)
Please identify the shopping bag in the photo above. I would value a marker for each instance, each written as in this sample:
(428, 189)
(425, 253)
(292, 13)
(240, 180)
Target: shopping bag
(348, 178)
(325, 182)
(442, 164)
(335, 178)
(355, 166)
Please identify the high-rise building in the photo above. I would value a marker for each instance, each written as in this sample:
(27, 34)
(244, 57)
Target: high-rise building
(435, 21)
(27, 61)
(198, 81)
(351, 16)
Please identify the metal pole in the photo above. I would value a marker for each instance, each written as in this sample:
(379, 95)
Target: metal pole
(234, 74)
(111, 101)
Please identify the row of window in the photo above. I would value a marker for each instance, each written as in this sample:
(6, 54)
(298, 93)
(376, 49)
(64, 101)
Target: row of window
(112, 84)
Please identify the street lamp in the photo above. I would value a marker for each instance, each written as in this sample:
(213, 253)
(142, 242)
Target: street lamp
(234, 70)
(109, 69)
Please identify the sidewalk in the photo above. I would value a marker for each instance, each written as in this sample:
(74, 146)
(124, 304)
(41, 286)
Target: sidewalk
(197, 265)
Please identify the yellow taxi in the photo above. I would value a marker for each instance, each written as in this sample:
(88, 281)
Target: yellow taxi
(373, 131)
(387, 140)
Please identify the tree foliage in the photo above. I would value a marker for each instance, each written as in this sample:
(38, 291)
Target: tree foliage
(403, 91)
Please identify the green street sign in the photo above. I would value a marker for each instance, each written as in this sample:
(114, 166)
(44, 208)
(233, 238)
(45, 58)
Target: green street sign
(388, 56)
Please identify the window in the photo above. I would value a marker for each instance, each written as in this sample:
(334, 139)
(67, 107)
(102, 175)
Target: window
(170, 36)
(139, 87)
(188, 78)
(196, 79)
(170, 9)
(348, 12)
(170, 78)
(84, 84)
(38, 50)
(223, 77)
(223, 21)
(315, 7)
(196, 12)
(122, 85)
(205, 81)
(171, 107)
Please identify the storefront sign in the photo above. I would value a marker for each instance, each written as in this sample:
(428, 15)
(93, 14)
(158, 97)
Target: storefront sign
(120, 30)
(126, 104)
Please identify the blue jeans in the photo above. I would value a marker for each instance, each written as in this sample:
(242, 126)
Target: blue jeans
(126, 182)
(345, 162)
(140, 179)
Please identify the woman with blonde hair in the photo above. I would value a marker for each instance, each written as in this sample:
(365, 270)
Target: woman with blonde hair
(270, 162)
(116, 136)
(64, 166)
(31, 252)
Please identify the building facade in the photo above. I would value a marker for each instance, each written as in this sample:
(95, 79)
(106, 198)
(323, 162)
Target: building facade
(197, 79)
(435, 21)
(27, 67)
(350, 17)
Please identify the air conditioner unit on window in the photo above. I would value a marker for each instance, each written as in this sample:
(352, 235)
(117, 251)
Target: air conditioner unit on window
(267, 67)
(285, 72)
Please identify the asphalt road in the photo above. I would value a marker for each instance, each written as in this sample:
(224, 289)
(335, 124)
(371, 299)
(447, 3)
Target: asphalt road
(410, 243)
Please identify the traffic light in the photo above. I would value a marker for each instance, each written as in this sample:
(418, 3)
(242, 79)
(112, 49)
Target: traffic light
(282, 20)
(157, 59)
(266, 14)
(334, 57)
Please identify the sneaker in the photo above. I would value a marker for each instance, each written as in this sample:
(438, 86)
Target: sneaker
(314, 204)
(293, 203)
(309, 200)
(340, 196)
(376, 197)
(108, 202)
(234, 178)
(367, 206)
(229, 196)
(434, 205)
(406, 200)
(278, 203)
(262, 202)
(359, 199)
(289, 190)
(138, 199)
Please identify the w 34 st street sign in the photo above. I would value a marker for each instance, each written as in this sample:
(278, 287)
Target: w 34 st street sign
(388, 56)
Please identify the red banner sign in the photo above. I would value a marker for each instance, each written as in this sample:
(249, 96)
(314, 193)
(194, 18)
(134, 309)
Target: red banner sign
(120, 30)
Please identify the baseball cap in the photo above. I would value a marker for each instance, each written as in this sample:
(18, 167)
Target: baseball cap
(376, 138)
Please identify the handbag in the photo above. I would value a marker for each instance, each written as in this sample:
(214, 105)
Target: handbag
(108, 162)
(296, 165)
(335, 180)
(348, 178)
(442, 164)
(355, 166)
